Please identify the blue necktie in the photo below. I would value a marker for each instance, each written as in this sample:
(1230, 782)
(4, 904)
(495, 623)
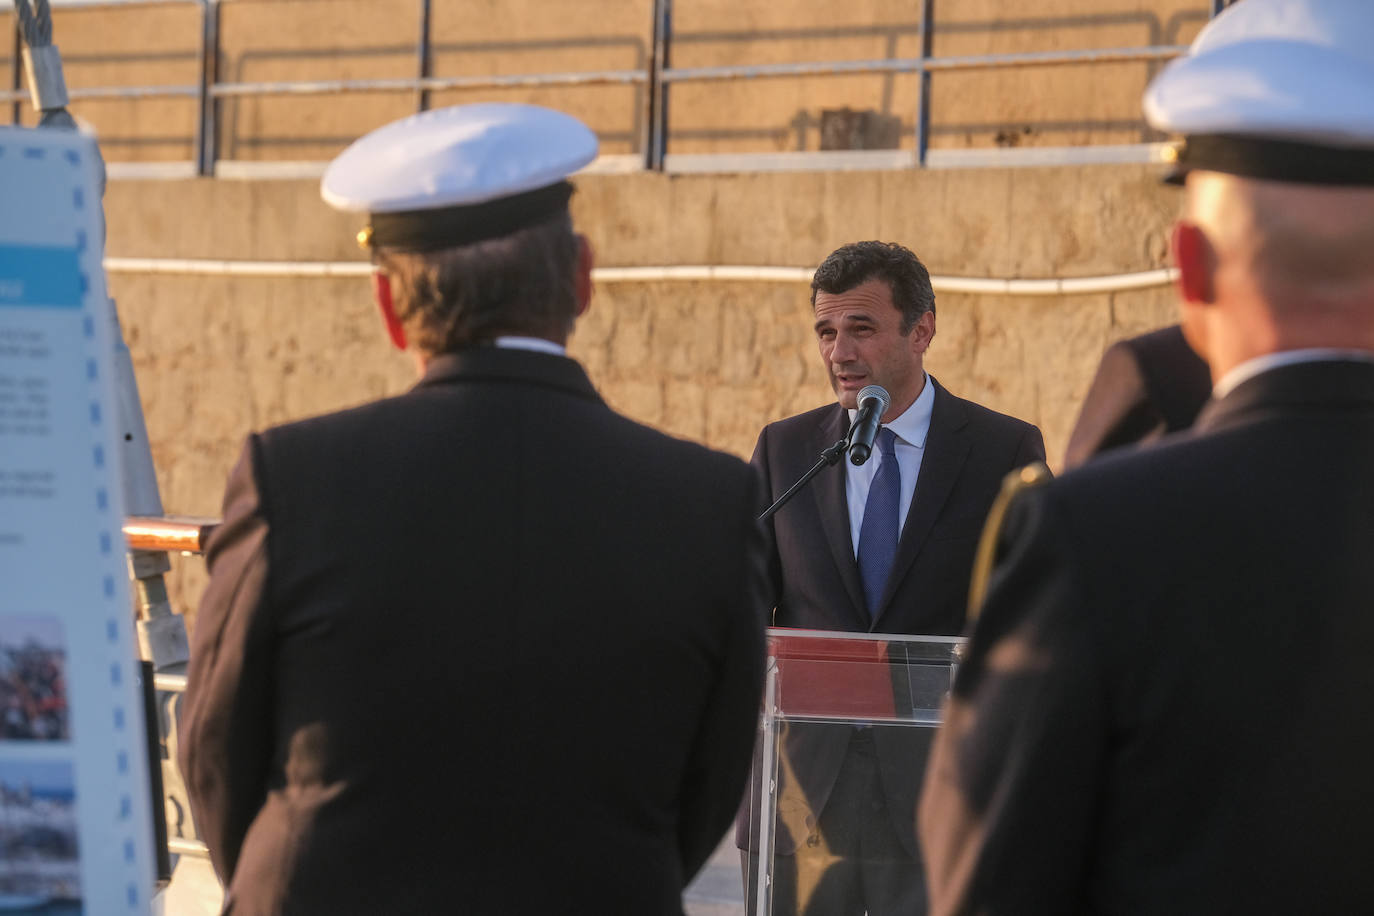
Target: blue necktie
(878, 532)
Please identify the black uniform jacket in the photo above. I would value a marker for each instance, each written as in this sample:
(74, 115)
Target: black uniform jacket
(1145, 387)
(815, 578)
(1168, 703)
(486, 647)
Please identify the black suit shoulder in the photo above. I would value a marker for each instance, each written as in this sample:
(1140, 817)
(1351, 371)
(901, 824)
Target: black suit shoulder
(807, 423)
(985, 418)
(1001, 443)
(412, 430)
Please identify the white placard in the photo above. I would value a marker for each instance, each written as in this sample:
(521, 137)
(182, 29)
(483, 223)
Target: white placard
(74, 792)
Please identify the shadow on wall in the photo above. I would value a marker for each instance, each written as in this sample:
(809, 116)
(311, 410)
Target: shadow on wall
(1023, 106)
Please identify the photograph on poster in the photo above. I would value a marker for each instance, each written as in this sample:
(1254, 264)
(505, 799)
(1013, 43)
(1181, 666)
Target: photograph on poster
(40, 867)
(33, 684)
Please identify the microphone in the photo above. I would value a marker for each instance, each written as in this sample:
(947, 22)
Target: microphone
(873, 403)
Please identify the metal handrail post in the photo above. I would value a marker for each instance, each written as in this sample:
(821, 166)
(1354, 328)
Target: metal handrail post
(207, 141)
(425, 55)
(927, 49)
(16, 69)
(768, 782)
(657, 147)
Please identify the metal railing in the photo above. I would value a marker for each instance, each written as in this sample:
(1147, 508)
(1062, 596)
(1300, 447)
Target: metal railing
(658, 76)
(170, 534)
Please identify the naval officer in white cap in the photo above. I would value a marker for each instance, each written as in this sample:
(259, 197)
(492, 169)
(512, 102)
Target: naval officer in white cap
(485, 647)
(1168, 700)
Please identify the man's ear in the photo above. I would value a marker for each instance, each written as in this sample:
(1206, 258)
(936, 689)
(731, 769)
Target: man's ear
(381, 291)
(923, 332)
(583, 278)
(1196, 262)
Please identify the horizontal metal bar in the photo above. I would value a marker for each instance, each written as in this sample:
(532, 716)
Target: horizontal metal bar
(919, 65)
(433, 83)
(112, 92)
(715, 163)
(930, 721)
(848, 636)
(961, 158)
(1053, 286)
(96, 4)
(789, 161)
(1021, 156)
(170, 683)
(143, 171)
(171, 533)
(274, 169)
(181, 846)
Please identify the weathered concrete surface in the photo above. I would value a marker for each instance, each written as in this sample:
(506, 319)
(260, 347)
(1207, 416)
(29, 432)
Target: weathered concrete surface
(219, 357)
(272, 40)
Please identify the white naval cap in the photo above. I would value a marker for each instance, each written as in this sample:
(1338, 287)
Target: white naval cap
(459, 175)
(1275, 89)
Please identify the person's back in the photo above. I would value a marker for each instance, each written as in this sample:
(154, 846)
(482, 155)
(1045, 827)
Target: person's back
(487, 646)
(489, 691)
(1233, 676)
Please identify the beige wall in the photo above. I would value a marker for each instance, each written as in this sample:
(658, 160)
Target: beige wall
(709, 361)
(270, 40)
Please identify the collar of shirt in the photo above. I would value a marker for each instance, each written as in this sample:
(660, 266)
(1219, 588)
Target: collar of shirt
(913, 424)
(912, 427)
(537, 344)
(1260, 364)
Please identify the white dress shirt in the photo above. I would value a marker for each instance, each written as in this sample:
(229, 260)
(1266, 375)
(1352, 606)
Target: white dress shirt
(537, 344)
(1253, 367)
(911, 429)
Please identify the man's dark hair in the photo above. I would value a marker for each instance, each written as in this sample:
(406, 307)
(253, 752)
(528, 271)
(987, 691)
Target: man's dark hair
(523, 283)
(857, 263)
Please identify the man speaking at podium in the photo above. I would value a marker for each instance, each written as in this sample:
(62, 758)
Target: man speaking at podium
(485, 647)
(883, 547)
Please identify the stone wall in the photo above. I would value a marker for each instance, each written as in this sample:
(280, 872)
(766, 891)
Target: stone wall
(710, 361)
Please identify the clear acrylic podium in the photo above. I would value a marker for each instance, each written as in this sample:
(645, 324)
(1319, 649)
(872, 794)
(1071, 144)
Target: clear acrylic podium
(826, 694)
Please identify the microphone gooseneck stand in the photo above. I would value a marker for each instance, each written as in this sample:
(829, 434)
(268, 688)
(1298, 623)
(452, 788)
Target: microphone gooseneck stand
(829, 457)
(873, 402)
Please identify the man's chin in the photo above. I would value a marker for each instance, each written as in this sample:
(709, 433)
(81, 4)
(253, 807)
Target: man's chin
(849, 400)
(846, 394)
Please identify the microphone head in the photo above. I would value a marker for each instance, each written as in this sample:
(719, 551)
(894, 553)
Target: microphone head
(878, 392)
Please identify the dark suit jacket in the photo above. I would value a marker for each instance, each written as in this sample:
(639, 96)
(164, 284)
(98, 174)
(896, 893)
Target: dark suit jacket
(1145, 387)
(815, 579)
(486, 646)
(1168, 701)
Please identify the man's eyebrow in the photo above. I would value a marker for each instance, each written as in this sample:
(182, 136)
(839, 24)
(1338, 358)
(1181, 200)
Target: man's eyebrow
(853, 318)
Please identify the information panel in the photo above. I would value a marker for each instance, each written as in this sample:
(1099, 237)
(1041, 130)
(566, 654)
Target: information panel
(75, 813)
